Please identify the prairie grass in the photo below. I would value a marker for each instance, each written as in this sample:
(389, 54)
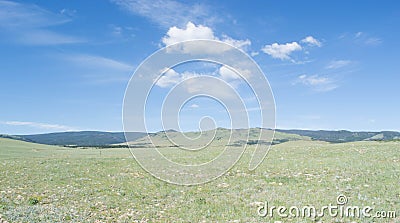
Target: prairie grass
(41, 183)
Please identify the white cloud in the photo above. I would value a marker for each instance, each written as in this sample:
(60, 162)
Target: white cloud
(335, 64)
(98, 62)
(317, 83)
(254, 53)
(228, 74)
(195, 32)
(175, 34)
(311, 41)
(27, 24)
(68, 12)
(241, 44)
(313, 80)
(281, 51)
(116, 30)
(97, 69)
(373, 41)
(192, 84)
(366, 39)
(253, 109)
(39, 125)
(44, 37)
(167, 13)
(122, 33)
(209, 86)
(171, 78)
(18, 15)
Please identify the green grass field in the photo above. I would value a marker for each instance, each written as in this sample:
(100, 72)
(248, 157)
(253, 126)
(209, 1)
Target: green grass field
(41, 183)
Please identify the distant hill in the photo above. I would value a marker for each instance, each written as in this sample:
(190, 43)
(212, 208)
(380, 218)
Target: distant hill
(221, 137)
(84, 138)
(96, 138)
(345, 136)
(4, 136)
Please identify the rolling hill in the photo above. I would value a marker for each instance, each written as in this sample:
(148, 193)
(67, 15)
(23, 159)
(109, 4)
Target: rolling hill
(84, 138)
(97, 138)
(221, 137)
(345, 136)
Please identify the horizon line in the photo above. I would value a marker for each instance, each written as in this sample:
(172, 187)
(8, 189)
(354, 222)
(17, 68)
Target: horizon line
(152, 132)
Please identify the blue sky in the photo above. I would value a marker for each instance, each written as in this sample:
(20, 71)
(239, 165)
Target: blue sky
(331, 65)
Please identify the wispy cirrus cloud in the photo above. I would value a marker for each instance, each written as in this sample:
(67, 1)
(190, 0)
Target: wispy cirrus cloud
(362, 38)
(365, 38)
(39, 125)
(167, 13)
(93, 61)
(100, 69)
(336, 64)
(29, 24)
(45, 37)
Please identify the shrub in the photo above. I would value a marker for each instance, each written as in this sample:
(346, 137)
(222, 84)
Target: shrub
(34, 200)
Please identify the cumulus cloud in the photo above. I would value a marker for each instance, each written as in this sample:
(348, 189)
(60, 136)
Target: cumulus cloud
(210, 87)
(254, 53)
(228, 74)
(171, 78)
(196, 83)
(193, 32)
(175, 34)
(284, 51)
(317, 83)
(311, 41)
(281, 51)
(241, 44)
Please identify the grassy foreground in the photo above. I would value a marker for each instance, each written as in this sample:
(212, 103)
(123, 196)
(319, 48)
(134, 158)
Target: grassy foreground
(53, 184)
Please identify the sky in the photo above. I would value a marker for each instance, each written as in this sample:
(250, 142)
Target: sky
(65, 65)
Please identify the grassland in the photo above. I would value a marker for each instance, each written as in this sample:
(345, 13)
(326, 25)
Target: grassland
(54, 184)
